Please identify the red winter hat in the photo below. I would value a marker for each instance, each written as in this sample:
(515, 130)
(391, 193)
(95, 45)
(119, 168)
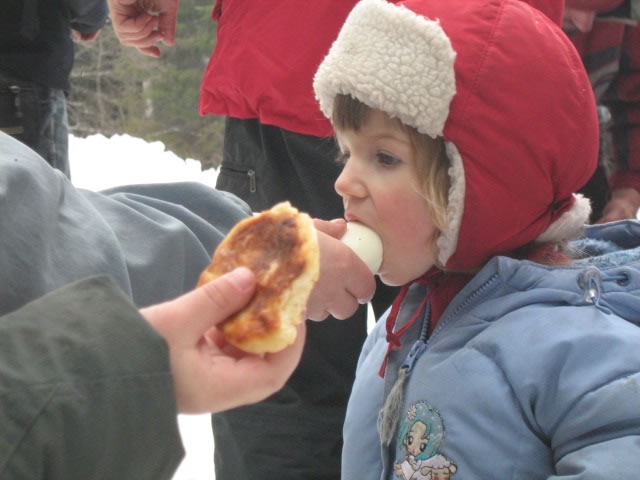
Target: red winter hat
(504, 87)
(554, 9)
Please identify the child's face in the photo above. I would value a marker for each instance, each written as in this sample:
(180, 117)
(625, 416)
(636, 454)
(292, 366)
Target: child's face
(379, 188)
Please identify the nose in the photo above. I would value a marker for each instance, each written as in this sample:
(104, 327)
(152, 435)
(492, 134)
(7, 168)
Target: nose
(349, 183)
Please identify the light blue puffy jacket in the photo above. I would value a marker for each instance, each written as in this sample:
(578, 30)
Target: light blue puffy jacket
(533, 372)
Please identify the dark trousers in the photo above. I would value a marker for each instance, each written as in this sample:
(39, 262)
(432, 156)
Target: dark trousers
(37, 116)
(296, 433)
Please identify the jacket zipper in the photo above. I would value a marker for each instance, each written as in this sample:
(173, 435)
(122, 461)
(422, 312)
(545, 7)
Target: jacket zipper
(252, 180)
(482, 290)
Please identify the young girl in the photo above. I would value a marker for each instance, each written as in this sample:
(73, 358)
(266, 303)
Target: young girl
(513, 349)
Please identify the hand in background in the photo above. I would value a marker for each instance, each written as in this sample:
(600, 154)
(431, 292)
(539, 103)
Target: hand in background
(624, 204)
(345, 281)
(144, 23)
(210, 375)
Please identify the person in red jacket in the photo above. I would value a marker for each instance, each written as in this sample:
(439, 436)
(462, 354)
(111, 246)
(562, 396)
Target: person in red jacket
(606, 34)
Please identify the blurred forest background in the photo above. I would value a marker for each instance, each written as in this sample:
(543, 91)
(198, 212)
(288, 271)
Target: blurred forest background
(116, 90)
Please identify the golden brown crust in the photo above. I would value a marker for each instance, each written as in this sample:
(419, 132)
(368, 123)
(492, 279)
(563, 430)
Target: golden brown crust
(280, 246)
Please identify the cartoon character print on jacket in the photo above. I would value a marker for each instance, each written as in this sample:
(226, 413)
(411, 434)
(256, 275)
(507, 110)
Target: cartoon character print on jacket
(419, 441)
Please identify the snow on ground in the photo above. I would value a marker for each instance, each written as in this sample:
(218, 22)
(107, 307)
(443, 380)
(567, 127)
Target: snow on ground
(98, 162)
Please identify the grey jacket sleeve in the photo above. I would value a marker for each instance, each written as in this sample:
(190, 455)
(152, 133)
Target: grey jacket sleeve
(85, 389)
(153, 240)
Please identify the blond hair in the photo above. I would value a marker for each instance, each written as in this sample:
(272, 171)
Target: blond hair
(432, 166)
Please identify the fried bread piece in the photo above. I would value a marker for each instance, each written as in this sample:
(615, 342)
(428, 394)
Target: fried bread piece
(280, 246)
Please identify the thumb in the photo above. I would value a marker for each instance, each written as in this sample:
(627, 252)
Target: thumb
(187, 318)
(225, 295)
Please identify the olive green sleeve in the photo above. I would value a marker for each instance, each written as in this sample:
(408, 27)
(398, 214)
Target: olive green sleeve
(85, 389)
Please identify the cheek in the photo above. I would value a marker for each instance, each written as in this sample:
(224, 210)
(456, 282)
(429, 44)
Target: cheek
(407, 233)
(405, 217)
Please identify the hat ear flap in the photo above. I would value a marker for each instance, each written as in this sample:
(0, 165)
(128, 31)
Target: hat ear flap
(447, 241)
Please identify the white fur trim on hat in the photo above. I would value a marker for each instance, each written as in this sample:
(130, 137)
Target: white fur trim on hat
(393, 60)
(570, 224)
(447, 241)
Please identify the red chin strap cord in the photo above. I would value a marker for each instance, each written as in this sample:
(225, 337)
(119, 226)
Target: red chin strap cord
(393, 338)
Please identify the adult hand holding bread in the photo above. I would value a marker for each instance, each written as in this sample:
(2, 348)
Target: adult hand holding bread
(208, 375)
(280, 246)
(252, 300)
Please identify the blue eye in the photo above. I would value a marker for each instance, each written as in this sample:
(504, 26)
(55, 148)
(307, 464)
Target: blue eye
(386, 159)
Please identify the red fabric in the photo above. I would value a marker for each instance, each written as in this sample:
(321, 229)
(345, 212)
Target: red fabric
(611, 54)
(523, 120)
(443, 290)
(554, 9)
(266, 55)
(394, 336)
